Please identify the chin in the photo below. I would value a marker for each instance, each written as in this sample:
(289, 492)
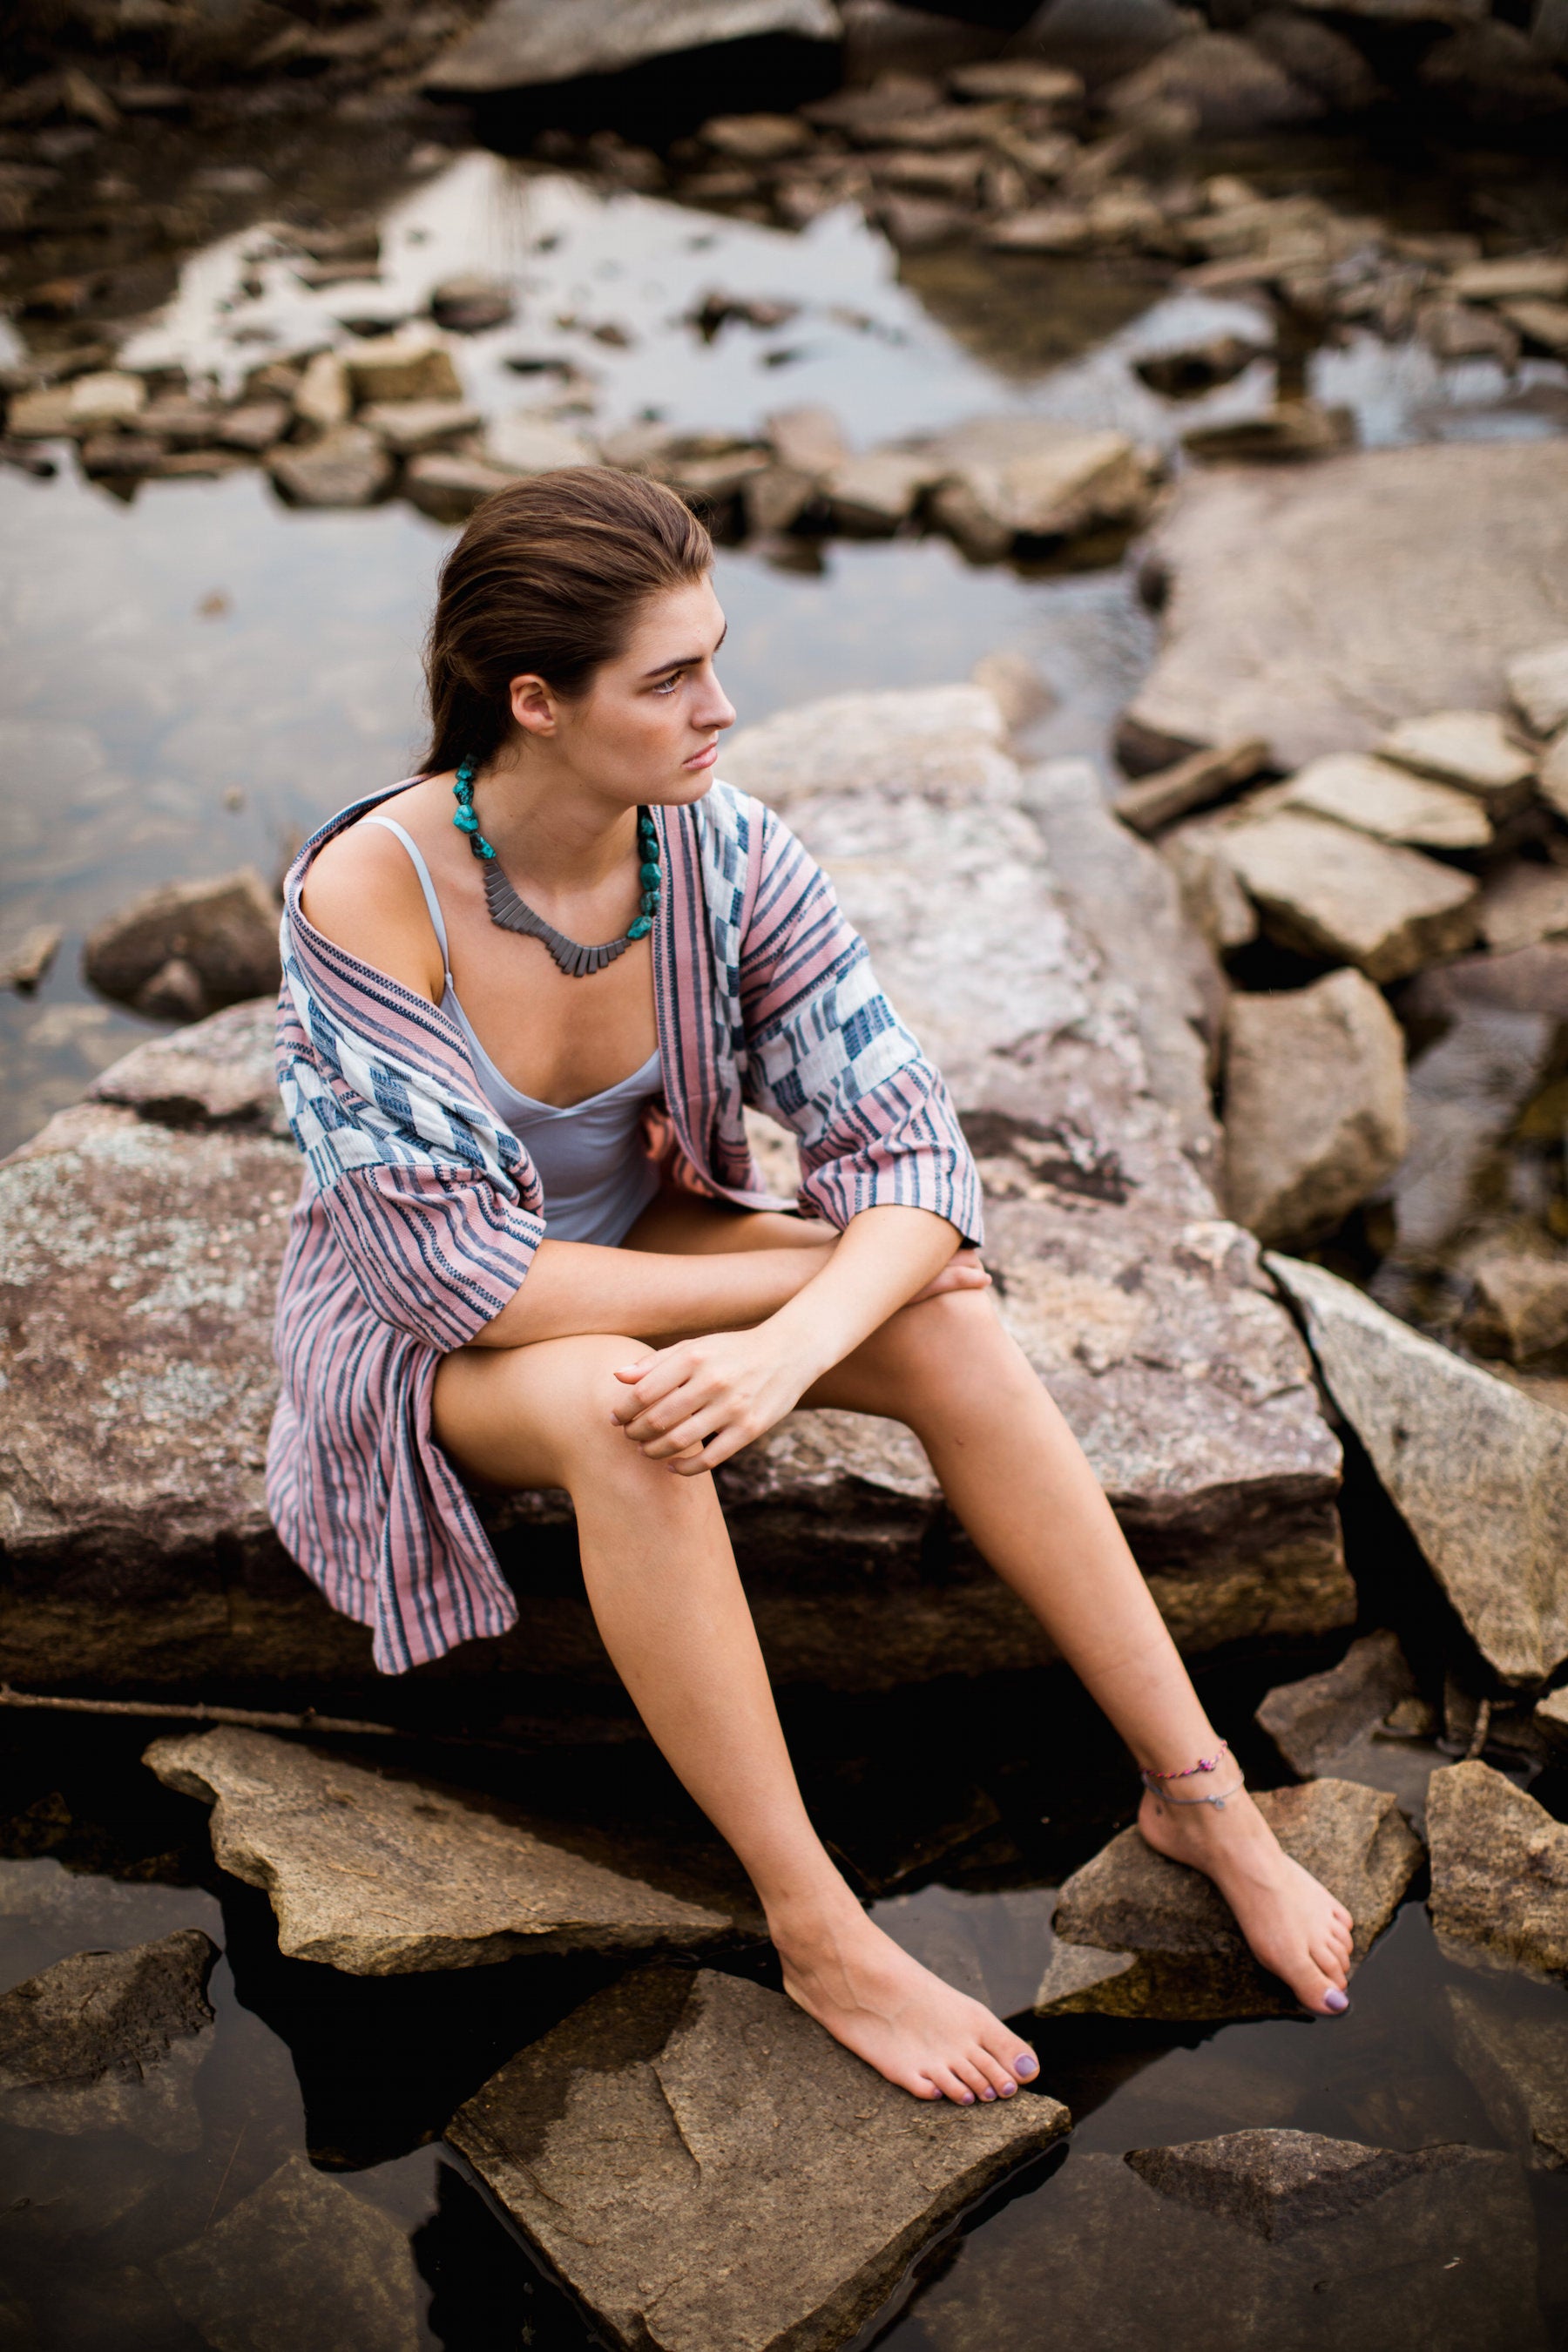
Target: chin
(681, 790)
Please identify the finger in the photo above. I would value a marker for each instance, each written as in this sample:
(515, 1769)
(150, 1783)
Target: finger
(663, 1377)
(635, 1371)
(662, 1419)
(684, 1435)
(724, 1442)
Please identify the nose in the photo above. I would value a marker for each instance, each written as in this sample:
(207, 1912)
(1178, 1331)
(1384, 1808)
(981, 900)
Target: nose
(715, 707)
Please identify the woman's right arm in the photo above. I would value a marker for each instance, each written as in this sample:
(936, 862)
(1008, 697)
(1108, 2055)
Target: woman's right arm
(575, 1287)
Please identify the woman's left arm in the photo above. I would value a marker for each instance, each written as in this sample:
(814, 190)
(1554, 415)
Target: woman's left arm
(728, 1387)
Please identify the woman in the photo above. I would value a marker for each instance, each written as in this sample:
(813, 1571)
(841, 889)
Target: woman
(525, 998)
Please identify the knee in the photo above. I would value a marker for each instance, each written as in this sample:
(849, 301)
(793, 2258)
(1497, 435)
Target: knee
(947, 1345)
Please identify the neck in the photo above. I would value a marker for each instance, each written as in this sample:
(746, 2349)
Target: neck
(551, 826)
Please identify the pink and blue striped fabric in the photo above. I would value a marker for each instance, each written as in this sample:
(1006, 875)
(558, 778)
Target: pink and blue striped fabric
(419, 1214)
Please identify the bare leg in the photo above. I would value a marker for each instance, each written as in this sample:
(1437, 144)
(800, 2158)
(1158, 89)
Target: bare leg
(1018, 1481)
(662, 1580)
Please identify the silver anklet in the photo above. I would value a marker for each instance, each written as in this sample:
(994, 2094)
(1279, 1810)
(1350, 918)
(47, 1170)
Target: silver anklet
(1152, 1782)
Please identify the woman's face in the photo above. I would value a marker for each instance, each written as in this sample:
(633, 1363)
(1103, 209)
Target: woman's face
(647, 728)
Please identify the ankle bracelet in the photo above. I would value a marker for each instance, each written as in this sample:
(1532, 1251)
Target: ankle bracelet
(1204, 1764)
(1152, 1782)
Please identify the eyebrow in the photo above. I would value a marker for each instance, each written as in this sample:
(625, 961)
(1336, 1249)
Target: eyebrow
(684, 661)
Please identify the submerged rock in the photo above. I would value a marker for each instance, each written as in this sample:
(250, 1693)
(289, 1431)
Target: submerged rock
(1477, 1470)
(710, 2173)
(1500, 1872)
(1313, 1723)
(521, 43)
(1278, 2183)
(111, 2041)
(1519, 2065)
(1318, 607)
(302, 2261)
(1142, 1937)
(1315, 1104)
(225, 933)
(385, 1877)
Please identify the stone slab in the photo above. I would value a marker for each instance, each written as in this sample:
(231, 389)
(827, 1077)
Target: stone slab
(1371, 796)
(1318, 608)
(1326, 891)
(710, 2173)
(1500, 1872)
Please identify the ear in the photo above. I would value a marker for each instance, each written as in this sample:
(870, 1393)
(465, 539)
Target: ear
(533, 707)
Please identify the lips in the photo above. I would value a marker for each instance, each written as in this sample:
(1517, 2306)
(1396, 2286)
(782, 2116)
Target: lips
(703, 758)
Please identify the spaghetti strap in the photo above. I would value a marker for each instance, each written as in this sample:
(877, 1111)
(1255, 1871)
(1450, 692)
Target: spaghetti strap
(431, 900)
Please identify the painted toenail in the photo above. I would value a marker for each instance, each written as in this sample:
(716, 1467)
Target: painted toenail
(1026, 2066)
(988, 2095)
(1008, 2089)
(968, 2099)
(1335, 1999)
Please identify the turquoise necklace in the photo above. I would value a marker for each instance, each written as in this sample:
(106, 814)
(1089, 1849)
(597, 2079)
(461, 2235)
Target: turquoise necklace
(514, 914)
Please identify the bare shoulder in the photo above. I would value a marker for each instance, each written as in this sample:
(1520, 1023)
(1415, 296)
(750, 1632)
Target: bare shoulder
(362, 892)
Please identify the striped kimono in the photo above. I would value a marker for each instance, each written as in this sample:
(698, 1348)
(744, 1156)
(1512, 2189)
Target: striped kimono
(420, 1212)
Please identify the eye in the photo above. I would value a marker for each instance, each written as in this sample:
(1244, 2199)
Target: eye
(667, 684)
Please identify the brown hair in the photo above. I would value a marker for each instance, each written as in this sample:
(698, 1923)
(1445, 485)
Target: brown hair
(547, 577)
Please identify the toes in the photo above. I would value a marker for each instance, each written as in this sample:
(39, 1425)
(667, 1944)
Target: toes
(1317, 1991)
(998, 2077)
(951, 2085)
(973, 2078)
(1016, 2060)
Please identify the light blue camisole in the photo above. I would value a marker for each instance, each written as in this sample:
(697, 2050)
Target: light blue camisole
(597, 1178)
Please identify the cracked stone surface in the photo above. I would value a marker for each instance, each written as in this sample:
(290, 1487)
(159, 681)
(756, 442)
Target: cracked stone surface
(709, 2171)
(1500, 1872)
(382, 1877)
(111, 2041)
(1138, 1936)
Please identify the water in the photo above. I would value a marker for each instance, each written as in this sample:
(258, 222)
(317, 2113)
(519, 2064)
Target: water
(195, 677)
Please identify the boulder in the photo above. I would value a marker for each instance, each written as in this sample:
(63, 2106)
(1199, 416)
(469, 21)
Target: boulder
(809, 440)
(1315, 1104)
(1500, 1872)
(410, 427)
(872, 494)
(1520, 1304)
(529, 444)
(1232, 89)
(302, 2260)
(1518, 2062)
(104, 401)
(1389, 803)
(217, 1072)
(346, 467)
(1316, 59)
(1552, 780)
(1317, 1721)
(1212, 899)
(449, 484)
(1189, 370)
(1523, 905)
(1477, 1470)
(1002, 479)
(467, 304)
(1537, 681)
(1550, 1718)
(1317, 608)
(398, 367)
(1138, 1936)
(457, 1882)
(1468, 749)
(324, 398)
(1466, 1091)
(26, 954)
(1440, 2257)
(1323, 890)
(225, 933)
(709, 2172)
(521, 43)
(111, 2041)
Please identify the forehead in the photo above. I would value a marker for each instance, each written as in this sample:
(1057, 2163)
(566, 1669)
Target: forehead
(677, 624)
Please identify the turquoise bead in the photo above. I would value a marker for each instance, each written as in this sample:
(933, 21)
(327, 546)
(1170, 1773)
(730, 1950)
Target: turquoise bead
(650, 902)
(640, 929)
(648, 876)
(465, 821)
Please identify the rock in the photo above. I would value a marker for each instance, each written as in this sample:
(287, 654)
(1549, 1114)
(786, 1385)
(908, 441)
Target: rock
(1055, 228)
(811, 440)
(1158, 800)
(1315, 58)
(346, 467)
(1278, 2183)
(1323, 890)
(1551, 1717)
(710, 2173)
(776, 498)
(1371, 796)
(44, 414)
(1315, 1110)
(1491, 73)
(1461, 331)
(468, 305)
(100, 402)
(111, 2041)
(527, 444)
(873, 494)
(520, 43)
(1537, 681)
(410, 427)
(756, 138)
(1116, 2264)
(1028, 80)
(219, 1073)
(1477, 1470)
(1552, 780)
(1500, 1872)
(1468, 749)
(322, 397)
(1321, 1718)
(107, 456)
(254, 425)
(920, 224)
(225, 930)
(390, 367)
(1193, 368)
(1008, 479)
(449, 487)
(1188, 1958)
(1292, 429)
(457, 1882)
(27, 955)
(1523, 905)
(174, 992)
(1543, 325)
(1466, 1091)
(1319, 608)
(1520, 1306)
(1016, 688)
(1518, 2065)
(1215, 902)
(302, 2260)
(1512, 278)
(1233, 89)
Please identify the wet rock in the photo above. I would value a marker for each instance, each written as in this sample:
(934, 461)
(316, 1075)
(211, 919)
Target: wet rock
(1278, 2183)
(27, 955)
(301, 2259)
(393, 368)
(456, 1884)
(1158, 800)
(1477, 1470)
(468, 305)
(1524, 905)
(1520, 1306)
(1141, 1936)
(1389, 803)
(1232, 89)
(111, 2041)
(346, 467)
(521, 43)
(323, 399)
(225, 931)
(710, 2173)
(1318, 608)
(450, 485)
(872, 494)
(219, 1073)
(1537, 681)
(527, 444)
(1469, 749)
(1117, 2263)
(1194, 368)
(1316, 1722)
(1518, 2065)
(1466, 1091)
(1315, 1108)
(1295, 428)
(410, 427)
(1002, 479)
(1500, 1872)
(174, 992)
(1324, 891)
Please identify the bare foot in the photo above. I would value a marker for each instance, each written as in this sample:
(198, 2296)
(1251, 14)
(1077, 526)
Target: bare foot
(1293, 1924)
(913, 2028)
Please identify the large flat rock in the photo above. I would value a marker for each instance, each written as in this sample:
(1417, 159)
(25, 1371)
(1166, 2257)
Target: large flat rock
(521, 43)
(1318, 608)
(382, 1877)
(1477, 1470)
(710, 2173)
(111, 2041)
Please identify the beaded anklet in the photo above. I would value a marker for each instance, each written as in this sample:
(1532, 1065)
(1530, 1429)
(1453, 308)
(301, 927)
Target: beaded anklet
(1151, 1780)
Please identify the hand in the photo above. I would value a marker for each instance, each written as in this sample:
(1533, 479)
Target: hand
(695, 1404)
(963, 1271)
